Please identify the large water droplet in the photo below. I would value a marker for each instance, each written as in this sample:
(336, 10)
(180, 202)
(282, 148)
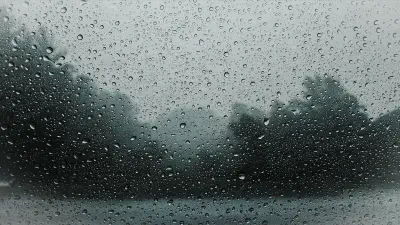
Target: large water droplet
(201, 42)
(49, 50)
(226, 74)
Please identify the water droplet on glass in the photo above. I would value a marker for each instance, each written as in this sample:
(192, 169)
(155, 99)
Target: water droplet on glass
(31, 126)
(242, 176)
(154, 128)
(226, 74)
(201, 42)
(182, 125)
(14, 42)
(64, 9)
(266, 121)
(80, 37)
(49, 50)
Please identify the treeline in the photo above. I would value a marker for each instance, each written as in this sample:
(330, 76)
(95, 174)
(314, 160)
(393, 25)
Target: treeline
(62, 134)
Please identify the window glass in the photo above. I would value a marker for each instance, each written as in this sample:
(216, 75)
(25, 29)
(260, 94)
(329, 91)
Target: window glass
(199, 112)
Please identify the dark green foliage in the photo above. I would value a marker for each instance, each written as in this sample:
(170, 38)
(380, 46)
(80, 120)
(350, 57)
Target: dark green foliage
(317, 145)
(62, 131)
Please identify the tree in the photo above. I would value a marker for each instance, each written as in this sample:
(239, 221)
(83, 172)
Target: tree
(63, 132)
(313, 146)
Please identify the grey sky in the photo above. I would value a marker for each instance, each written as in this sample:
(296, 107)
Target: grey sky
(190, 54)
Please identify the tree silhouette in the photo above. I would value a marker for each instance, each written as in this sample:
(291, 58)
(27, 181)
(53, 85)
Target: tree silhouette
(313, 146)
(63, 131)
(388, 129)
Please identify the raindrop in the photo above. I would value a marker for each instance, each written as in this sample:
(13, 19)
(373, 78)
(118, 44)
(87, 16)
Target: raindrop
(290, 7)
(154, 128)
(14, 41)
(201, 42)
(49, 50)
(226, 74)
(182, 125)
(31, 126)
(80, 37)
(266, 121)
(64, 9)
(242, 176)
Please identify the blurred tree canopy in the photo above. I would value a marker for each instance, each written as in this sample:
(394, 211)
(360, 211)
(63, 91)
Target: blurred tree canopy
(62, 133)
(61, 130)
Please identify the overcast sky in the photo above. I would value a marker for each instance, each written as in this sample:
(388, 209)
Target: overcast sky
(190, 54)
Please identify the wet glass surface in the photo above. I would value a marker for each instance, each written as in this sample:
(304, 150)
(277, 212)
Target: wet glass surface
(199, 112)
